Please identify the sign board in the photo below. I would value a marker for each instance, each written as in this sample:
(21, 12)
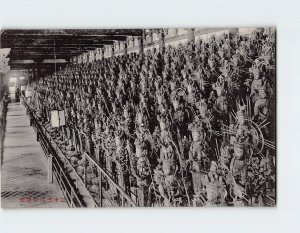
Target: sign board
(57, 118)
(27, 93)
(62, 120)
(54, 118)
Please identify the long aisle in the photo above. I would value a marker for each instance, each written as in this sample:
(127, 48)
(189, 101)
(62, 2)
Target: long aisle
(24, 170)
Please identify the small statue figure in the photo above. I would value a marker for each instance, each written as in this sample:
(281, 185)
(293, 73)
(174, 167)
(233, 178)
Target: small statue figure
(221, 104)
(140, 169)
(166, 174)
(197, 155)
(261, 107)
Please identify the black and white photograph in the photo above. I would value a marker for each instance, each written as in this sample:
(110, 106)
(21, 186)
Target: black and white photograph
(138, 117)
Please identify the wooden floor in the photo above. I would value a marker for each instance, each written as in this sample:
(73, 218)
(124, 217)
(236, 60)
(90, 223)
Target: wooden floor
(24, 170)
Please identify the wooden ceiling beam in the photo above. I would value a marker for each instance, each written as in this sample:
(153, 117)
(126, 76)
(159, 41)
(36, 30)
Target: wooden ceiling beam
(39, 44)
(78, 32)
(12, 44)
(43, 48)
(29, 38)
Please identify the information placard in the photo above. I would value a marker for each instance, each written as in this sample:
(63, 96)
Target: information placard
(54, 118)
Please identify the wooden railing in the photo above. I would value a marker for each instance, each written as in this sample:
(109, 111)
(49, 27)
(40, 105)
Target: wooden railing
(3, 111)
(64, 181)
(103, 173)
(60, 162)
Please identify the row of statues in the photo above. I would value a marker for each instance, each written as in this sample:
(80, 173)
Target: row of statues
(192, 126)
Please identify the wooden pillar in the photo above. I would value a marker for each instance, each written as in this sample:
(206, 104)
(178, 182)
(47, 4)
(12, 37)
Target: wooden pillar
(161, 41)
(191, 35)
(100, 187)
(125, 48)
(50, 169)
(112, 51)
(123, 200)
(30, 76)
(38, 72)
(141, 43)
(85, 167)
(34, 73)
(101, 54)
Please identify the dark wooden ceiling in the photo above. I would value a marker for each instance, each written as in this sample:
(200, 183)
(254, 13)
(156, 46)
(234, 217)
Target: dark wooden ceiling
(38, 45)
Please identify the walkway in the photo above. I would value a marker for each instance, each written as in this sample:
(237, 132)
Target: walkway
(24, 170)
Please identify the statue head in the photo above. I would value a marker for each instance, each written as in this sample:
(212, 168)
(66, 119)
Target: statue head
(202, 107)
(263, 92)
(225, 155)
(239, 150)
(176, 103)
(172, 85)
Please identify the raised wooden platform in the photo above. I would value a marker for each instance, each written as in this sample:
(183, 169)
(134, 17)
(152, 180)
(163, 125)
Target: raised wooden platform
(24, 170)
